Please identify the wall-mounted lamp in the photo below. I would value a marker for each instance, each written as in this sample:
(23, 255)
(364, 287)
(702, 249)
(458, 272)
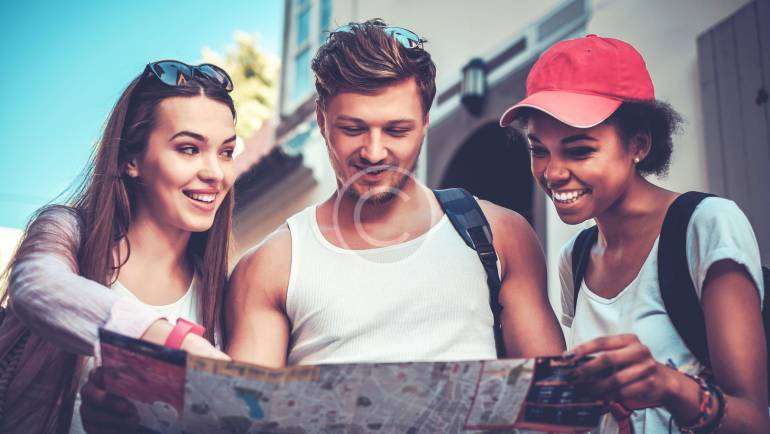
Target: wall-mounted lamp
(473, 89)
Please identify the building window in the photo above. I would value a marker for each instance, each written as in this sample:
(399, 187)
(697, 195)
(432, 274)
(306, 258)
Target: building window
(303, 25)
(301, 74)
(310, 22)
(325, 20)
(302, 48)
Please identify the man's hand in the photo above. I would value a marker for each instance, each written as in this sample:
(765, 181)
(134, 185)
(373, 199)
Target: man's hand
(103, 412)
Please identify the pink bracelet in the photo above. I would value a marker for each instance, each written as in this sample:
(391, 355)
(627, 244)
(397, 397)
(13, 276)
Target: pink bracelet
(180, 331)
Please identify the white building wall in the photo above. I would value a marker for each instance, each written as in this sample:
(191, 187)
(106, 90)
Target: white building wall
(456, 30)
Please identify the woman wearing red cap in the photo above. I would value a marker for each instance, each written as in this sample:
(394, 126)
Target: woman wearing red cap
(595, 131)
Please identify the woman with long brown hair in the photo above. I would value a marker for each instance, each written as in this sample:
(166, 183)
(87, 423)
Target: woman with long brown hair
(143, 242)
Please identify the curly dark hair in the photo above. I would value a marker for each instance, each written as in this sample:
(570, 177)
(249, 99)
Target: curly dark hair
(658, 119)
(655, 117)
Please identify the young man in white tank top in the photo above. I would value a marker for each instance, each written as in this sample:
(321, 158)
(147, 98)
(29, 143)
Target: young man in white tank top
(377, 273)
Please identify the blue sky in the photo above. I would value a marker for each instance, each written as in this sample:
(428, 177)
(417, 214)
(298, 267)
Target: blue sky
(64, 66)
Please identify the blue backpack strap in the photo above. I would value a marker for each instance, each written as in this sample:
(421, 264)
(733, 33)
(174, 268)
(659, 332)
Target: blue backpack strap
(676, 286)
(469, 221)
(581, 253)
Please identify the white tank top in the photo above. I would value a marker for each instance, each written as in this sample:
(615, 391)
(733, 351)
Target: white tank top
(422, 300)
(186, 307)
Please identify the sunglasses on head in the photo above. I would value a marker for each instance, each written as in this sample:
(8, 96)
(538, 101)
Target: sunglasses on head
(176, 73)
(405, 37)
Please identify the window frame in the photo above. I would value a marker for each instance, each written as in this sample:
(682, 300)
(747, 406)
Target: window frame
(291, 101)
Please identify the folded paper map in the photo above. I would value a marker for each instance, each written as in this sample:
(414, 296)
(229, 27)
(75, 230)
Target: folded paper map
(175, 392)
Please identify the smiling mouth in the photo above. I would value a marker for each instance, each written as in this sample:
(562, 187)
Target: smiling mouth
(201, 197)
(372, 170)
(568, 197)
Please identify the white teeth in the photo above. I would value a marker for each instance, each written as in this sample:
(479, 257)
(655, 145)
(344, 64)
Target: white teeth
(568, 196)
(372, 171)
(207, 198)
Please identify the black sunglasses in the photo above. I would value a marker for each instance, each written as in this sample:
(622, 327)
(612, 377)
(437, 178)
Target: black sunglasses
(405, 37)
(176, 73)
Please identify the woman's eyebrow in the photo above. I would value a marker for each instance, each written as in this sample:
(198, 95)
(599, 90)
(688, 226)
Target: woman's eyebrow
(185, 133)
(533, 138)
(231, 139)
(576, 138)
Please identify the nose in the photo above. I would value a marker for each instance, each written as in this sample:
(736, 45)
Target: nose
(374, 150)
(555, 173)
(211, 169)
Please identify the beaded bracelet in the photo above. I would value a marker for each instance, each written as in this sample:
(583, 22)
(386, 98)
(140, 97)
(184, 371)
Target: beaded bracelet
(704, 422)
(704, 407)
(716, 422)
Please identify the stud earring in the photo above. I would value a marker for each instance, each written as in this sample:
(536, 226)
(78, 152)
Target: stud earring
(636, 160)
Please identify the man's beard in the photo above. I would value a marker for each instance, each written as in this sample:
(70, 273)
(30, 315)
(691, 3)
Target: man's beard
(392, 191)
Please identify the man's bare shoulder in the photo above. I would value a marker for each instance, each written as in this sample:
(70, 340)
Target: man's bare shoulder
(505, 223)
(515, 240)
(266, 265)
(273, 250)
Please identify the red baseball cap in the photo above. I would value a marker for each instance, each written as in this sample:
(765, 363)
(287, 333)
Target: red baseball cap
(581, 82)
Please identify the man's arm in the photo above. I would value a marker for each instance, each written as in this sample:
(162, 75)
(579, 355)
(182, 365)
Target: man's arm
(256, 323)
(530, 327)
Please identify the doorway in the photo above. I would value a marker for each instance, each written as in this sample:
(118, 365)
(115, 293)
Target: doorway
(493, 164)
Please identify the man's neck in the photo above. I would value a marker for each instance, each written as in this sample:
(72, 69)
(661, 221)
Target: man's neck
(412, 198)
(412, 211)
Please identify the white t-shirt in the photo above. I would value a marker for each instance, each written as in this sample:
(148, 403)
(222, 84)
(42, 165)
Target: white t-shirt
(186, 307)
(717, 230)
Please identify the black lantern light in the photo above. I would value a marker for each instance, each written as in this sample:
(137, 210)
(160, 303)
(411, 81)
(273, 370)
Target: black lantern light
(473, 89)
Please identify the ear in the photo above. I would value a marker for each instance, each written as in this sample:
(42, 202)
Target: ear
(320, 118)
(132, 169)
(641, 144)
(426, 122)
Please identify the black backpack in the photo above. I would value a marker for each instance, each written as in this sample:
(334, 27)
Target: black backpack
(676, 286)
(469, 221)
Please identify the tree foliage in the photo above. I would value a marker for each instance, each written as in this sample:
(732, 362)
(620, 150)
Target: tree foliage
(255, 79)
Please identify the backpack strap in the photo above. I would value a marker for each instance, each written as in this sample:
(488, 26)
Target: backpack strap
(581, 253)
(676, 286)
(469, 221)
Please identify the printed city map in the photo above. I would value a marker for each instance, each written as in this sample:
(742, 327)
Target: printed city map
(512, 395)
